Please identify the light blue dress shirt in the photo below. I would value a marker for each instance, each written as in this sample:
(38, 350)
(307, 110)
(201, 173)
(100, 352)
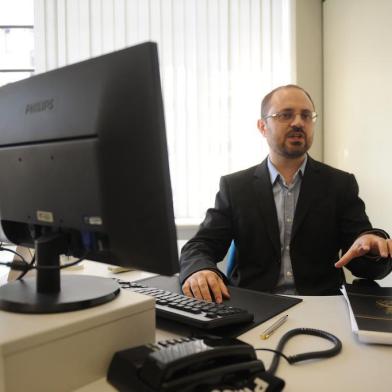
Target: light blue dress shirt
(286, 197)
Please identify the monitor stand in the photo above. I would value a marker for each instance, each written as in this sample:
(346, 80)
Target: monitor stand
(49, 292)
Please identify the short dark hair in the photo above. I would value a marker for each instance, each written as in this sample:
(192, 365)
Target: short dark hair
(267, 99)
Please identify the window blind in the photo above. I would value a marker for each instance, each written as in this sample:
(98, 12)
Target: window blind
(218, 58)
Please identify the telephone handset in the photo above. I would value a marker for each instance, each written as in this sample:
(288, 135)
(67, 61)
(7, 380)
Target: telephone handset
(191, 364)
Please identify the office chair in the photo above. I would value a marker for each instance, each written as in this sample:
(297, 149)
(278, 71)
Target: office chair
(230, 259)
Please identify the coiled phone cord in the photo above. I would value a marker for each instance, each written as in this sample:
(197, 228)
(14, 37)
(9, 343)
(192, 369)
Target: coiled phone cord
(337, 347)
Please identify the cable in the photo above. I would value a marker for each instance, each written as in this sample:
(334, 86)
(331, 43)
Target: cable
(31, 264)
(12, 251)
(16, 265)
(274, 351)
(337, 347)
(25, 267)
(19, 265)
(73, 263)
(23, 263)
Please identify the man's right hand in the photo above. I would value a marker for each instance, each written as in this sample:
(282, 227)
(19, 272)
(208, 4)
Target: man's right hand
(203, 283)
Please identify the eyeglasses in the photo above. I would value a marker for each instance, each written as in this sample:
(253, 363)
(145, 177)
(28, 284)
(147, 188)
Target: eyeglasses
(290, 115)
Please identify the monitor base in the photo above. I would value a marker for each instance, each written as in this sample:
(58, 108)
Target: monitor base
(77, 292)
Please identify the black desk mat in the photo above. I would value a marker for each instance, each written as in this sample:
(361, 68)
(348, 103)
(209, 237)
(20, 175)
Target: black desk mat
(263, 306)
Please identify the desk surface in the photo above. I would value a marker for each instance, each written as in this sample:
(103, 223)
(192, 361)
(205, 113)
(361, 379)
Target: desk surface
(359, 367)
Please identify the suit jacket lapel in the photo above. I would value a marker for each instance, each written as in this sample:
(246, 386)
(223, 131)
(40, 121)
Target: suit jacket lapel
(263, 189)
(311, 189)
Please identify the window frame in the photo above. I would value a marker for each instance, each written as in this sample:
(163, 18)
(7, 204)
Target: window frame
(17, 70)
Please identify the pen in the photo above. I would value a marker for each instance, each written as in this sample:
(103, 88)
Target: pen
(269, 331)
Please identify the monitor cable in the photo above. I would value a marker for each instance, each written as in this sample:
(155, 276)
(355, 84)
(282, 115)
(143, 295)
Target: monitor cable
(24, 266)
(30, 264)
(2, 248)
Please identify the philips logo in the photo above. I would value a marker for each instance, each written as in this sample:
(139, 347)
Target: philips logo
(40, 106)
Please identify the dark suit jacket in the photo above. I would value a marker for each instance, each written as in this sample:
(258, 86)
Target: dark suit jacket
(329, 216)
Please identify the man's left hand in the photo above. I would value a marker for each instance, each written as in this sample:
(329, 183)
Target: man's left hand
(367, 243)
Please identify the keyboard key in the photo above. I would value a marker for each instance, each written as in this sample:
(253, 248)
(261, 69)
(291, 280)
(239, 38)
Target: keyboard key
(191, 311)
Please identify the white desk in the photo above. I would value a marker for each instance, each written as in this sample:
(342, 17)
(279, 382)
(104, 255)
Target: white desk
(359, 367)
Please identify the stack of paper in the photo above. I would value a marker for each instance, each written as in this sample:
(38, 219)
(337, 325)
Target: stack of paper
(370, 312)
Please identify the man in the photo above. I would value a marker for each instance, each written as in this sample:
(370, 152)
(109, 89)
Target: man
(289, 217)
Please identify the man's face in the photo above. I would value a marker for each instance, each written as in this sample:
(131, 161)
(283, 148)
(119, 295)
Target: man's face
(288, 138)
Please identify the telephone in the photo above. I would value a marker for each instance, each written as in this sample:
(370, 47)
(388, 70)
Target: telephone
(191, 365)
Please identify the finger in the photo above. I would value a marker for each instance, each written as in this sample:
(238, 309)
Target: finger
(382, 247)
(389, 243)
(352, 253)
(362, 250)
(203, 288)
(213, 282)
(194, 286)
(359, 248)
(224, 289)
(186, 289)
(346, 258)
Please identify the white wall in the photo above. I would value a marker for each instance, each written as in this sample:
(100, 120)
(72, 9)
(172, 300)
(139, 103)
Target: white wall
(357, 99)
(309, 60)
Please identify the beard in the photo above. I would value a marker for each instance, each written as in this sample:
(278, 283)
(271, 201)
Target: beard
(294, 150)
(295, 144)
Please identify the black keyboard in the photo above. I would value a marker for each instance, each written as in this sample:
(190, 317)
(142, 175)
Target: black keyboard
(191, 311)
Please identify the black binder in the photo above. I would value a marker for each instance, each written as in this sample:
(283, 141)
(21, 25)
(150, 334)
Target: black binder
(371, 312)
(263, 305)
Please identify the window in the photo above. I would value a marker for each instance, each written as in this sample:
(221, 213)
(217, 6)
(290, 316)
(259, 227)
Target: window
(218, 58)
(16, 40)
(16, 61)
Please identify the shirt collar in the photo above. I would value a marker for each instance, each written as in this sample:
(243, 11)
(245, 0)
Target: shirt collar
(274, 173)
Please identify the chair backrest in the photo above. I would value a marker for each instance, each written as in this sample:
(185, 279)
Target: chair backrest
(230, 259)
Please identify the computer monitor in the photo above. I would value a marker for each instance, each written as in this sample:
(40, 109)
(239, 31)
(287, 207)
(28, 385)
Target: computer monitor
(84, 171)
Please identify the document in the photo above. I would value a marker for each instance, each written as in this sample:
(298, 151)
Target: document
(3, 276)
(370, 312)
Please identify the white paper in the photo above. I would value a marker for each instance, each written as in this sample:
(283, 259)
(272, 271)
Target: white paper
(354, 325)
(4, 271)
